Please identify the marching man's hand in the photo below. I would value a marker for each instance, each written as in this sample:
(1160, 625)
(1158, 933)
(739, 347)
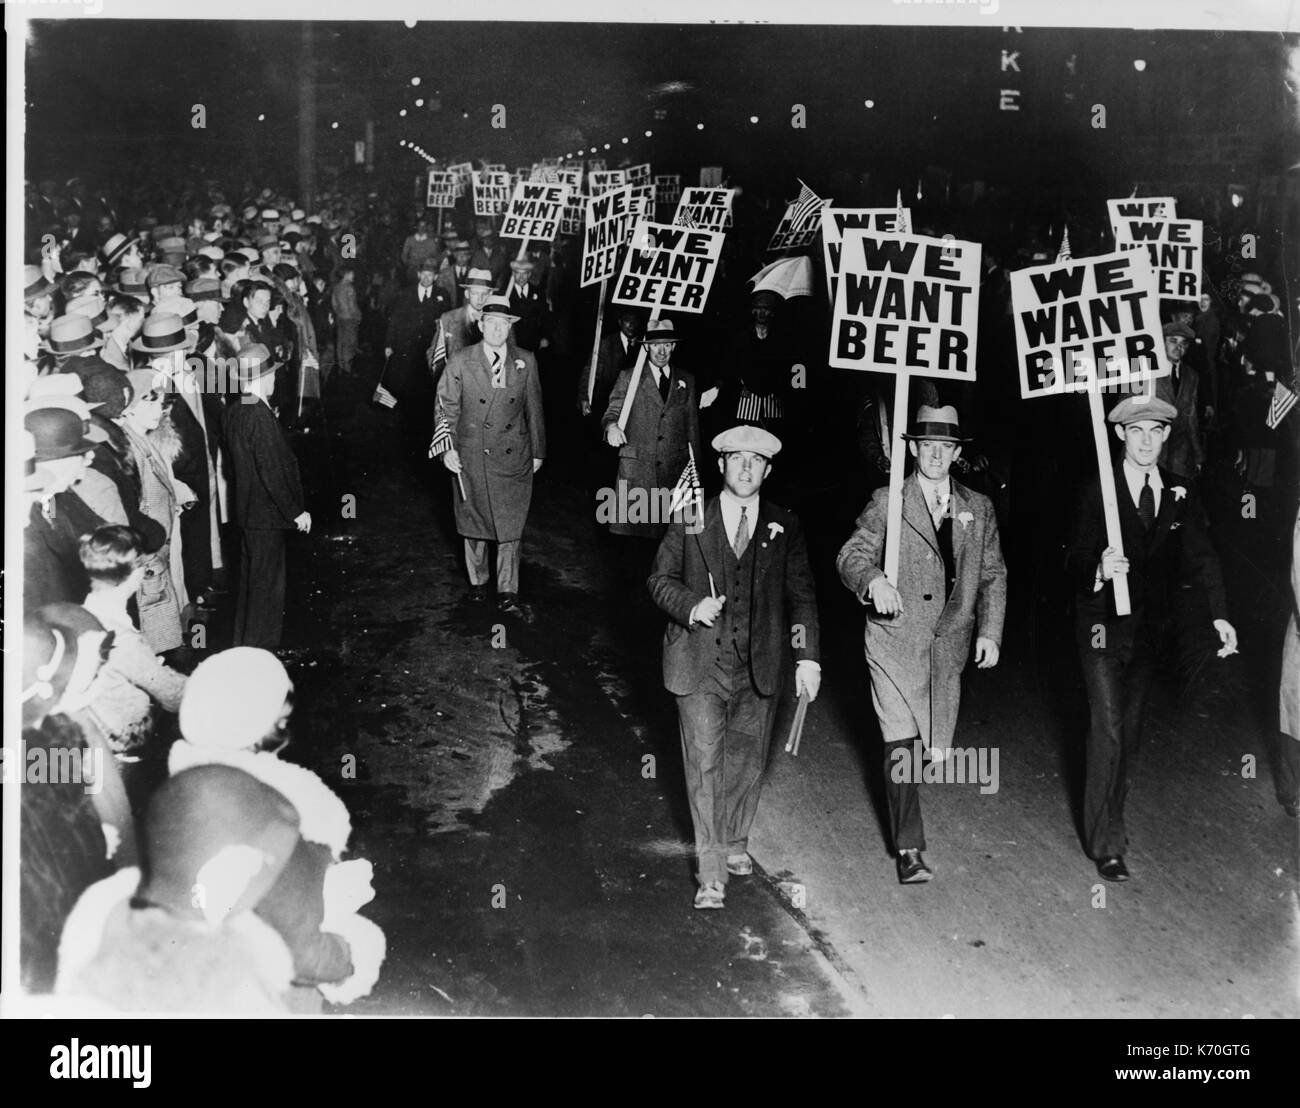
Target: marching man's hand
(706, 611)
(537, 464)
(1227, 636)
(807, 679)
(1112, 563)
(614, 435)
(707, 397)
(986, 653)
(303, 522)
(884, 597)
(451, 460)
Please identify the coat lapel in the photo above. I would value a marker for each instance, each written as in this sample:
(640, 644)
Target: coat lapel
(765, 550)
(916, 514)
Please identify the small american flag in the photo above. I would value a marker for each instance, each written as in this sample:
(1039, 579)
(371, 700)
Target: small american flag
(684, 219)
(688, 487)
(1063, 254)
(901, 222)
(1283, 401)
(438, 352)
(806, 208)
(441, 437)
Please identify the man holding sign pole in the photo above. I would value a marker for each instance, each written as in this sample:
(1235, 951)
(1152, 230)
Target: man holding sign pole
(1165, 544)
(952, 586)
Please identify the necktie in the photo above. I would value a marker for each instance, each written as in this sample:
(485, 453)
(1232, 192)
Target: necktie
(742, 535)
(663, 391)
(498, 377)
(423, 294)
(940, 507)
(1147, 504)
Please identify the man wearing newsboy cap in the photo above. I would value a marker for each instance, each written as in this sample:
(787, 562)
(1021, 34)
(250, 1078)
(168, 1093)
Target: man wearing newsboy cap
(1166, 543)
(739, 595)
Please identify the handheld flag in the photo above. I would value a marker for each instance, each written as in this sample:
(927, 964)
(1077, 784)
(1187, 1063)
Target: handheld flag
(688, 487)
(381, 394)
(1280, 406)
(901, 224)
(806, 208)
(442, 442)
(1063, 254)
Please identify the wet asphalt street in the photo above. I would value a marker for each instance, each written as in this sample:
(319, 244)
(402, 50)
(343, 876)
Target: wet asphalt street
(517, 785)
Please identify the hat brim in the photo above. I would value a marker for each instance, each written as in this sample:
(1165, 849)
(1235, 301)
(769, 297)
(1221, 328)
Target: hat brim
(184, 344)
(659, 338)
(500, 315)
(83, 446)
(936, 436)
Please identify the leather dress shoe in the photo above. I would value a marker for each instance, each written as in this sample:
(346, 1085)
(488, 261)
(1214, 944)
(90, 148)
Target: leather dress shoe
(912, 869)
(1112, 868)
(740, 865)
(478, 592)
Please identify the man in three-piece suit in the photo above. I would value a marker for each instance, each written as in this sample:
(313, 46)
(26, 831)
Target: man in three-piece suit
(663, 423)
(268, 499)
(492, 400)
(739, 595)
(1166, 543)
(952, 586)
(411, 329)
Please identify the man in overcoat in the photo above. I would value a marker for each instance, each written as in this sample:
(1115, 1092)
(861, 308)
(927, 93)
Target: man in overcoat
(491, 398)
(268, 500)
(740, 600)
(1166, 544)
(663, 422)
(952, 586)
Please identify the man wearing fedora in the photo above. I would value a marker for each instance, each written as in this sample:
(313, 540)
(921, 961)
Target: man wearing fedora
(491, 398)
(740, 600)
(455, 269)
(952, 587)
(268, 499)
(663, 423)
(1166, 544)
(461, 327)
(528, 303)
(411, 329)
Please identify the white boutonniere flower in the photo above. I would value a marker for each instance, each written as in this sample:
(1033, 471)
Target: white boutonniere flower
(1179, 492)
(773, 529)
(965, 519)
(519, 363)
(681, 384)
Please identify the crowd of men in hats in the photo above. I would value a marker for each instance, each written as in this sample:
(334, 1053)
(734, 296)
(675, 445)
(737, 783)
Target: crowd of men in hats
(164, 367)
(167, 363)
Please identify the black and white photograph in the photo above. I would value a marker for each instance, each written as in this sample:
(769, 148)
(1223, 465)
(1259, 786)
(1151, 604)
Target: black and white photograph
(573, 513)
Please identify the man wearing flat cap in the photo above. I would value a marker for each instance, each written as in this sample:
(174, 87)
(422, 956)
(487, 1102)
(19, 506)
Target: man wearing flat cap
(1166, 544)
(739, 595)
(491, 399)
(951, 587)
(268, 499)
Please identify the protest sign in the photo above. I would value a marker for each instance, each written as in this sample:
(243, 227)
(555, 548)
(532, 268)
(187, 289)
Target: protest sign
(710, 176)
(571, 217)
(835, 221)
(611, 217)
(1086, 325)
(908, 305)
(668, 266)
(1140, 207)
(1173, 247)
(708, 208)
(573, 178)
(462, 170)
(668, 187)
(602, 180)
(595, 164)
(665, 266)
(491, 193)
(534, 212)
(442, 189)
(1087, 321)
(638, 174)
(796, 231)
(495, 167)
